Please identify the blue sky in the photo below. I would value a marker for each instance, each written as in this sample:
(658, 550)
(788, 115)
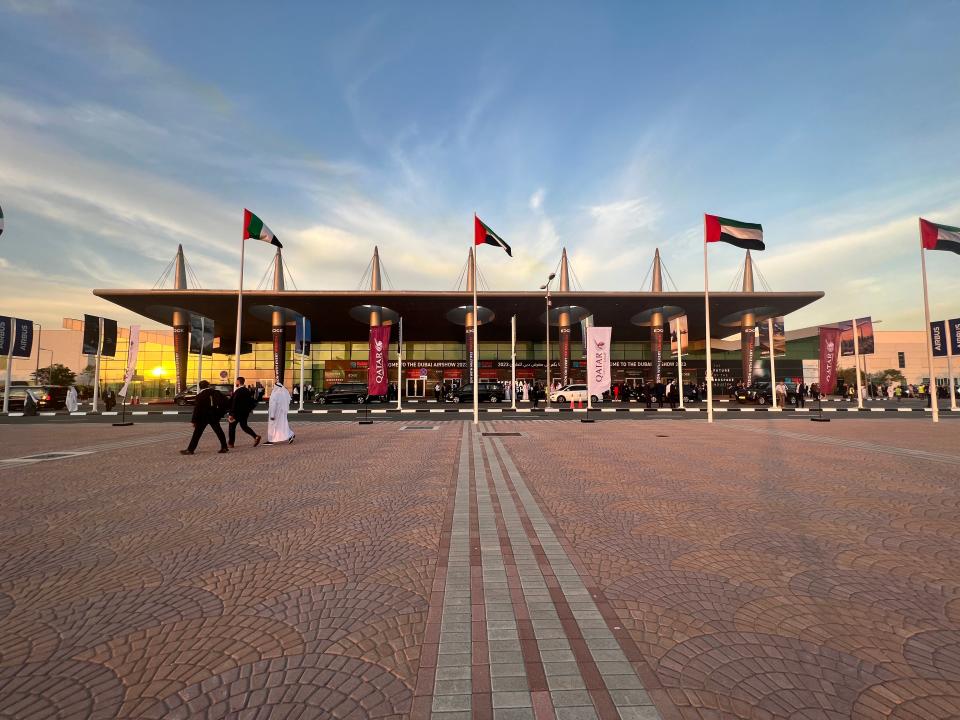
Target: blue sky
(605, 128)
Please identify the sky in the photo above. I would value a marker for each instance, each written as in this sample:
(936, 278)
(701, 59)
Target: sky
(605, 128)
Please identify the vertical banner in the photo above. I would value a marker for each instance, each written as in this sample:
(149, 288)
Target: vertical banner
(201, 335)
(748, 340)
(470, 350)
(377, 382)
(181, 344)
(829, 358)
(656, 351)
(679, 329)
(133, 349)
(109, 348)
(23, 338)
(865, 340)
(938, 338)
(302, 342)
(91, 335)
(6, 334)
(279, 357)
(954, 336)
(565, 355)
(598, 360)
(585, 325)
(779, 338)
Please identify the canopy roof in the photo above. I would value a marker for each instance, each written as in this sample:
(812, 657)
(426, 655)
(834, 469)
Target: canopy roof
(425, 312)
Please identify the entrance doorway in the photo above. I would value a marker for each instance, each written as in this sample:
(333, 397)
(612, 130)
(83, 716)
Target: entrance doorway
(416, 387)
(634, 382)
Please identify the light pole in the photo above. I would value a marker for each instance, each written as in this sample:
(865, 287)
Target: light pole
(39, 332)
(547, 288)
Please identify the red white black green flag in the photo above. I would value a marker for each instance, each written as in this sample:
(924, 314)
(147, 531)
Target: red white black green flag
(483, 235)
(939, 237)
(254, 227)
(748, 236)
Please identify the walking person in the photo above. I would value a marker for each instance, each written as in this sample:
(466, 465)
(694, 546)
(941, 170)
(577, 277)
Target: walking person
(207, 410)
(72, 403)
(534, 393)
(801, 394)
(278, 425)
(241, 405)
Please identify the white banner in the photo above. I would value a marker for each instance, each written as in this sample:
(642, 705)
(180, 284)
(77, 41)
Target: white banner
(598, 360)
(133, 349)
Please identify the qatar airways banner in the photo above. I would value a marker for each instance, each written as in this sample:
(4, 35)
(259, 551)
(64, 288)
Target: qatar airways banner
(377, 367)
(598, 360)
(829, 358)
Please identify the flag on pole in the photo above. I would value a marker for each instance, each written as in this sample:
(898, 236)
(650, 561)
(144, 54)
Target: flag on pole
(1, 221)
(939, 237)
(483, 235)
(254, 227)
(748, 236)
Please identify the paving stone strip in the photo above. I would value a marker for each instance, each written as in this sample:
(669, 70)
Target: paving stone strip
(520, 636)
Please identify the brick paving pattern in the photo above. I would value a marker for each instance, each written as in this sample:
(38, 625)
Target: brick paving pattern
(754, 569)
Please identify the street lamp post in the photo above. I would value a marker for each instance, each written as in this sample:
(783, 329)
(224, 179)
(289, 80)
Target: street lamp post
(37, 370)
(547, 288)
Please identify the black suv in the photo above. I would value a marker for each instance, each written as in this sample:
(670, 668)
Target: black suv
(47, 397)
(487, 392)
(189, 396)
(343, 393)
(759, 393)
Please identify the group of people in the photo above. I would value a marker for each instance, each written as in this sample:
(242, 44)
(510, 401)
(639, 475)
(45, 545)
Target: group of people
(212, 405)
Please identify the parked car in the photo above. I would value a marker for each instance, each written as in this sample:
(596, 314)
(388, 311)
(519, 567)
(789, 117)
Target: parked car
(571, 393)
(486, 392)
(189, 396)
(759, 394)
(47, 397)
(343, 393)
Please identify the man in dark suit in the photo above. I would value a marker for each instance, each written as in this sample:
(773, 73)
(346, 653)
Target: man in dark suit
(240, 408)
(207, 411)
(801, 394)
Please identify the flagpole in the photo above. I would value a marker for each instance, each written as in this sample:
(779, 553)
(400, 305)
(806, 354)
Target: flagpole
(243, 245)
(513, 363)
(706, 312)
(773, 367)
(934, 405)
(400, 367)
(96, 371)
(12, 332)
(303, 352)
(680, 361)
(200, 356)
(953, 392)
(476, 344)
(856, 362)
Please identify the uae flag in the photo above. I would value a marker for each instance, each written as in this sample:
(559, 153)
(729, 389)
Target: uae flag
(748, 236)
(939, 237)
(483, 235)
(254, 227)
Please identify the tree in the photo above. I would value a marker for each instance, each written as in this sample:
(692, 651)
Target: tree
(56, 374)
(889, 376)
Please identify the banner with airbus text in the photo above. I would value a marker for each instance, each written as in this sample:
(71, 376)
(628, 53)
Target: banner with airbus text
(133, 349)
(598, 360)
(377, 366)
(302, 340)
(91, 335)
(201, 335)
(779, 338)
(829, 358)
(109, 347)
(16, 331)
(938, 338)
(954, 326)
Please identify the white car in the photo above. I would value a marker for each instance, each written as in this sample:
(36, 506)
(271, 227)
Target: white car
(571, 393)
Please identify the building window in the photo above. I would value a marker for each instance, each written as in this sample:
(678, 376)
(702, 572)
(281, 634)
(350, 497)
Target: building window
(901, 360)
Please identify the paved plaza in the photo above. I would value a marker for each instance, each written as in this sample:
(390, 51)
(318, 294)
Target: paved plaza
(541, 568)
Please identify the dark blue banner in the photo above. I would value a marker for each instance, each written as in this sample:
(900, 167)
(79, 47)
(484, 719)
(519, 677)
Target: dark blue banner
(303, 337)
(23, 339)
(109, 348)
(6, 330)
(938, 338)
(91, 335)
(954, 326)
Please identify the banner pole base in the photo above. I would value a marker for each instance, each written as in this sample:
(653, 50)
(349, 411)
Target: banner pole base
(122, 424)
(587, 420)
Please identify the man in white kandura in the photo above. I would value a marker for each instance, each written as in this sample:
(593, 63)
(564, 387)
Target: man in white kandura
(72, 404)
(278, 427)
